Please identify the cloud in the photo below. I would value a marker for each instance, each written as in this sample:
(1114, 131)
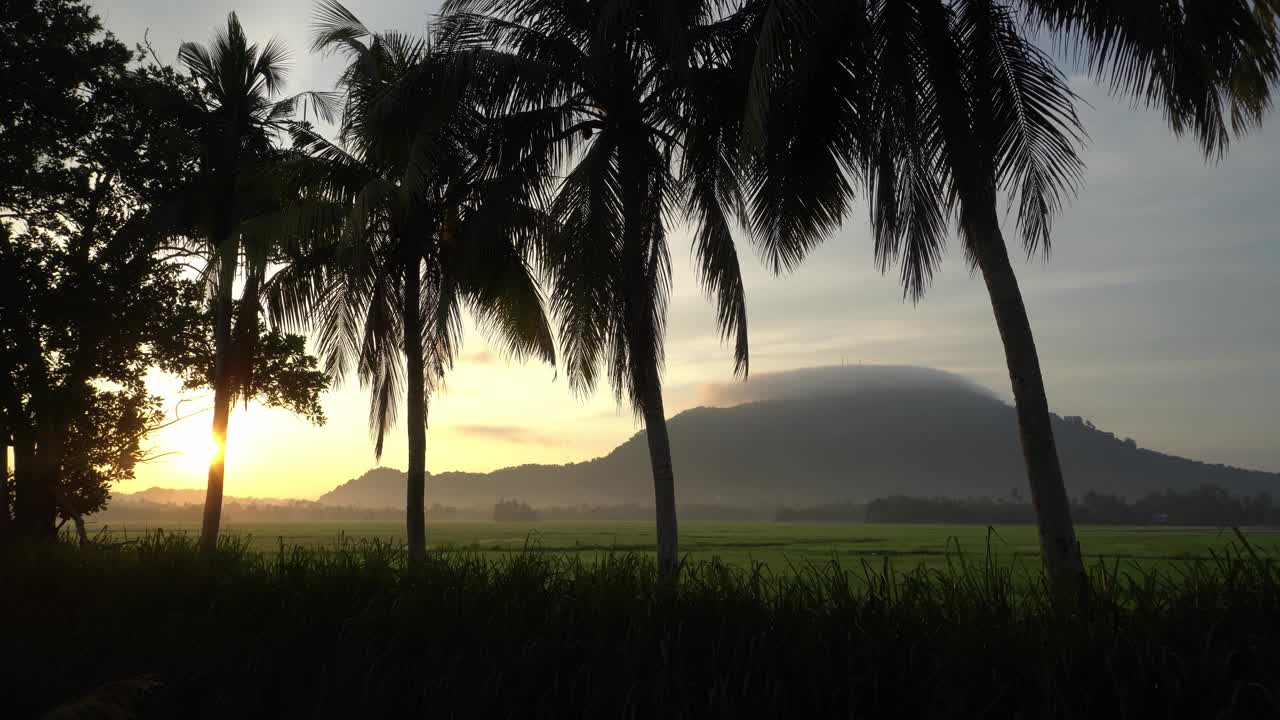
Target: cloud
(508, 434)
(819, 381)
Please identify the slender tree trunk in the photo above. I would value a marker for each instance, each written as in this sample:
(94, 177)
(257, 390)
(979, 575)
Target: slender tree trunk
(36, 476)
(638, 258)
(6, 520)
(23, 470)
(416, 481)
(664, 482)
(221, 401)
(77, 519)
(1058, 544)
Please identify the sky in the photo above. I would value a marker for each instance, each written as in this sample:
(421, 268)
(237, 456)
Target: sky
(1157, 316)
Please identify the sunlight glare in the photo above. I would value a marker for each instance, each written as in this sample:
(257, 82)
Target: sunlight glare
(199, 451)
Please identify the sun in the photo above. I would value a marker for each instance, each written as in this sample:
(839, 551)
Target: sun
(196, 448)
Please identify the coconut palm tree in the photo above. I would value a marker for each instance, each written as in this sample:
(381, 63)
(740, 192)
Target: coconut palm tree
(944, 108)
(401, 234)
(235, 112)
(227, 213)
(628, 102)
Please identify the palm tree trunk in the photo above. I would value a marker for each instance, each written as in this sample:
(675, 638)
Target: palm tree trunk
(664, 482)
(221, 403)
(642, 336)
(416, 480)
(1058, 544)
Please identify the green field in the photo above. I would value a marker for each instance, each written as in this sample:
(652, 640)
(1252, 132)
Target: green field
(779, 546)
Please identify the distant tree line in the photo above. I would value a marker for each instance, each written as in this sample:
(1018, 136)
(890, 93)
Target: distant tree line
(840, 512)
(637, 512)
(153, 513)
(242, 511)
(1209, 505)
(514, 511)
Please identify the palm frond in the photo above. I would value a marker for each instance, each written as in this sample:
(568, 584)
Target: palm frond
(336, 28)
(1028, 119)
(1209, 66)
(585, 251)
(809, 84)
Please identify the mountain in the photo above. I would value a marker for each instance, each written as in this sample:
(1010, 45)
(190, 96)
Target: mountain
(829, 434)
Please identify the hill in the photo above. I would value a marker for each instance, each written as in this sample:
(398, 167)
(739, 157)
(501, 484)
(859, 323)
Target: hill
(829, 434)
(186, 496)
(379, 487)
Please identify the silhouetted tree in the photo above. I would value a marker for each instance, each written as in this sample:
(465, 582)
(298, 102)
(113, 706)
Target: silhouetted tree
(86, 305)
(940, 108)
(629, 107)
(230, 209)
(404, 235)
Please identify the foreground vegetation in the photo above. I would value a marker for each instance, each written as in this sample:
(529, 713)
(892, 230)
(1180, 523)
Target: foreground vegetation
(358, 634)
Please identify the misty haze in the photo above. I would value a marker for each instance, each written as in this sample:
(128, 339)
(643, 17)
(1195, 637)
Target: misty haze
(811, 437)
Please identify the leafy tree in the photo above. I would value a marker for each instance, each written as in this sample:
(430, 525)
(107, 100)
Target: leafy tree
(402, 235)
(79, 298)
(629, 110)
(940, 109)
(284, 376)
(80, 326)
(42, 114)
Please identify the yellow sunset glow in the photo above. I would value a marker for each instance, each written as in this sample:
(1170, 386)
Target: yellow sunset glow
(200, 454)
(193, 444)
(479, 422)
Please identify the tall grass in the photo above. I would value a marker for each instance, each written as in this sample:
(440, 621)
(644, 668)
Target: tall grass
(358, 632)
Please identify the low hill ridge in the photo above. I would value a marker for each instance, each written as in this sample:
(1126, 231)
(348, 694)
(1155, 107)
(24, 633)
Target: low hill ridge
(188, 496)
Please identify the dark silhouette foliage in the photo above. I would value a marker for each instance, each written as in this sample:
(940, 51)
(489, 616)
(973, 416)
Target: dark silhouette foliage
(360, 632)
(631, 112)
(86, 303)
(402, 229)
